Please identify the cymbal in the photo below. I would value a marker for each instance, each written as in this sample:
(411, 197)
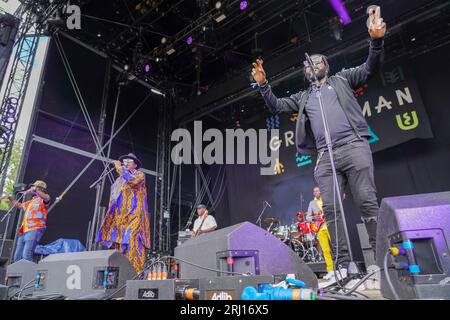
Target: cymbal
(271, 221)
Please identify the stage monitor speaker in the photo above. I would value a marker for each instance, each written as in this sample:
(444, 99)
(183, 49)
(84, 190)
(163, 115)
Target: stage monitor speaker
(82, 275)
(5, 254)
(20, 276)
(3, 292)
(419, 225)
(243, 248)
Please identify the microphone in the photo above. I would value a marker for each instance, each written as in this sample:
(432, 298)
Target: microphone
(267, 203)
(309, 63)
(26, 191)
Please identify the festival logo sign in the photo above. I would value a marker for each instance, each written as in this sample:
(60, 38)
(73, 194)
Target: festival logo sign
(391, 104)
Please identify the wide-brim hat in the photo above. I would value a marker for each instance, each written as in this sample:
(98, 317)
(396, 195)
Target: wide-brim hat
(133, 157)
(39, 183)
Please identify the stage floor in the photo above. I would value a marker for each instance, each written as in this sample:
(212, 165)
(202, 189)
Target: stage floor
(372, 294)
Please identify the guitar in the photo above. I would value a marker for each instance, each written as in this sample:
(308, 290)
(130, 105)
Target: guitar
(320, 219)
(199, 230)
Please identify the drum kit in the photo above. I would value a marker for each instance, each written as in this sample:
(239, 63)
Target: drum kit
(300, 236)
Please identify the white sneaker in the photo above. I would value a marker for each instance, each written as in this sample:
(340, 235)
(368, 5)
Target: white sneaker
(341, 274)
(328, 275)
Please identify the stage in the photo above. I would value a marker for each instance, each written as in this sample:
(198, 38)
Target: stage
(202, 150)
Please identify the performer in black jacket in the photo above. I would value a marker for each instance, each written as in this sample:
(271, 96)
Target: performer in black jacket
(348, 130)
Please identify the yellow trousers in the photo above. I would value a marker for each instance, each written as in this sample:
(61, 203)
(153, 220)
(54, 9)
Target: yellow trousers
(324, 241)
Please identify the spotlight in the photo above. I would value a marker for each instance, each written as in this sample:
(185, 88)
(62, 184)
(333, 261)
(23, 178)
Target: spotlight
(218, 5)
(163, 40)
(147, 67)
(189, 40)
(243, 5)
(126, 67)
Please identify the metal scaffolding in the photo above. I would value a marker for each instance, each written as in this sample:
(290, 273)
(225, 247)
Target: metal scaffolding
(27, 39)
(161, 218)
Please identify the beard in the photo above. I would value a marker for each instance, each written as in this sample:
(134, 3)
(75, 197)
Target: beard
(320, 75)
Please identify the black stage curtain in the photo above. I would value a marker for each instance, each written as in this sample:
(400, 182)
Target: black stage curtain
(59, 118)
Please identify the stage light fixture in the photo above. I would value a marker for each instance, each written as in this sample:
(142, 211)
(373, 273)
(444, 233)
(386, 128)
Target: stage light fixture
(147, 67)
(163, 40)
(170, 51)
(243, 5)
(220, 18)
(336, 28)
(189, 40)
(218, 5)
(157, 92)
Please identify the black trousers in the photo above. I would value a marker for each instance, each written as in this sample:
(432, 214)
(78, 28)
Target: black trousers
(354, 166)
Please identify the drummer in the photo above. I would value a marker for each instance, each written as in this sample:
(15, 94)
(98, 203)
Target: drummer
(315, 215)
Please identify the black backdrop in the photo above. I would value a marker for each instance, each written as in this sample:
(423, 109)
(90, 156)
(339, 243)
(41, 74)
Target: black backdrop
(59, 118)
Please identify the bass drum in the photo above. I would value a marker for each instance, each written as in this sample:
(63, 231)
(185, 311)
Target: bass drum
(298, 247)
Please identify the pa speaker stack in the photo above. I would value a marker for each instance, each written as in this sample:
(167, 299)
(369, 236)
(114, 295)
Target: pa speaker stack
(417, 227)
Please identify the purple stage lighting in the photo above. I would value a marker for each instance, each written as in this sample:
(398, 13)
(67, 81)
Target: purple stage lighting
(189, 40)
(147, 68)
(243, 5)
(341, 11)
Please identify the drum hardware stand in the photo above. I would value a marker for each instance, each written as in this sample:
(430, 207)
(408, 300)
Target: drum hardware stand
(8, 216)
(353, 271)
(302, 200)
(266, 204)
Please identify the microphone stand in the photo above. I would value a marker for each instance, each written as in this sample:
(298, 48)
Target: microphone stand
(301, 202)
(258, 221)
(97, 183)
(352, 269)
(8, 215)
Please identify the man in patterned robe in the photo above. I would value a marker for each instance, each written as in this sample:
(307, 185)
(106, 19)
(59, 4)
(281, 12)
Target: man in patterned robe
(126, 226)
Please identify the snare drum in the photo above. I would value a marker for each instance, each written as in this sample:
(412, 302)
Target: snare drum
(294, 231)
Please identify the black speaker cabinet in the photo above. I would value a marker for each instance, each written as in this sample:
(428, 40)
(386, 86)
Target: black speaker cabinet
(421, 224)
(243, 248)
(81, 275)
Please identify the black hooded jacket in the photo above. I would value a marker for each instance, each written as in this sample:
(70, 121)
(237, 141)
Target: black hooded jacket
(344, 83)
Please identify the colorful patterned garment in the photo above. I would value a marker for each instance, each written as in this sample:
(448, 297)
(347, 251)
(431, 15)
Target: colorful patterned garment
(35, 216)
(126, 225)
